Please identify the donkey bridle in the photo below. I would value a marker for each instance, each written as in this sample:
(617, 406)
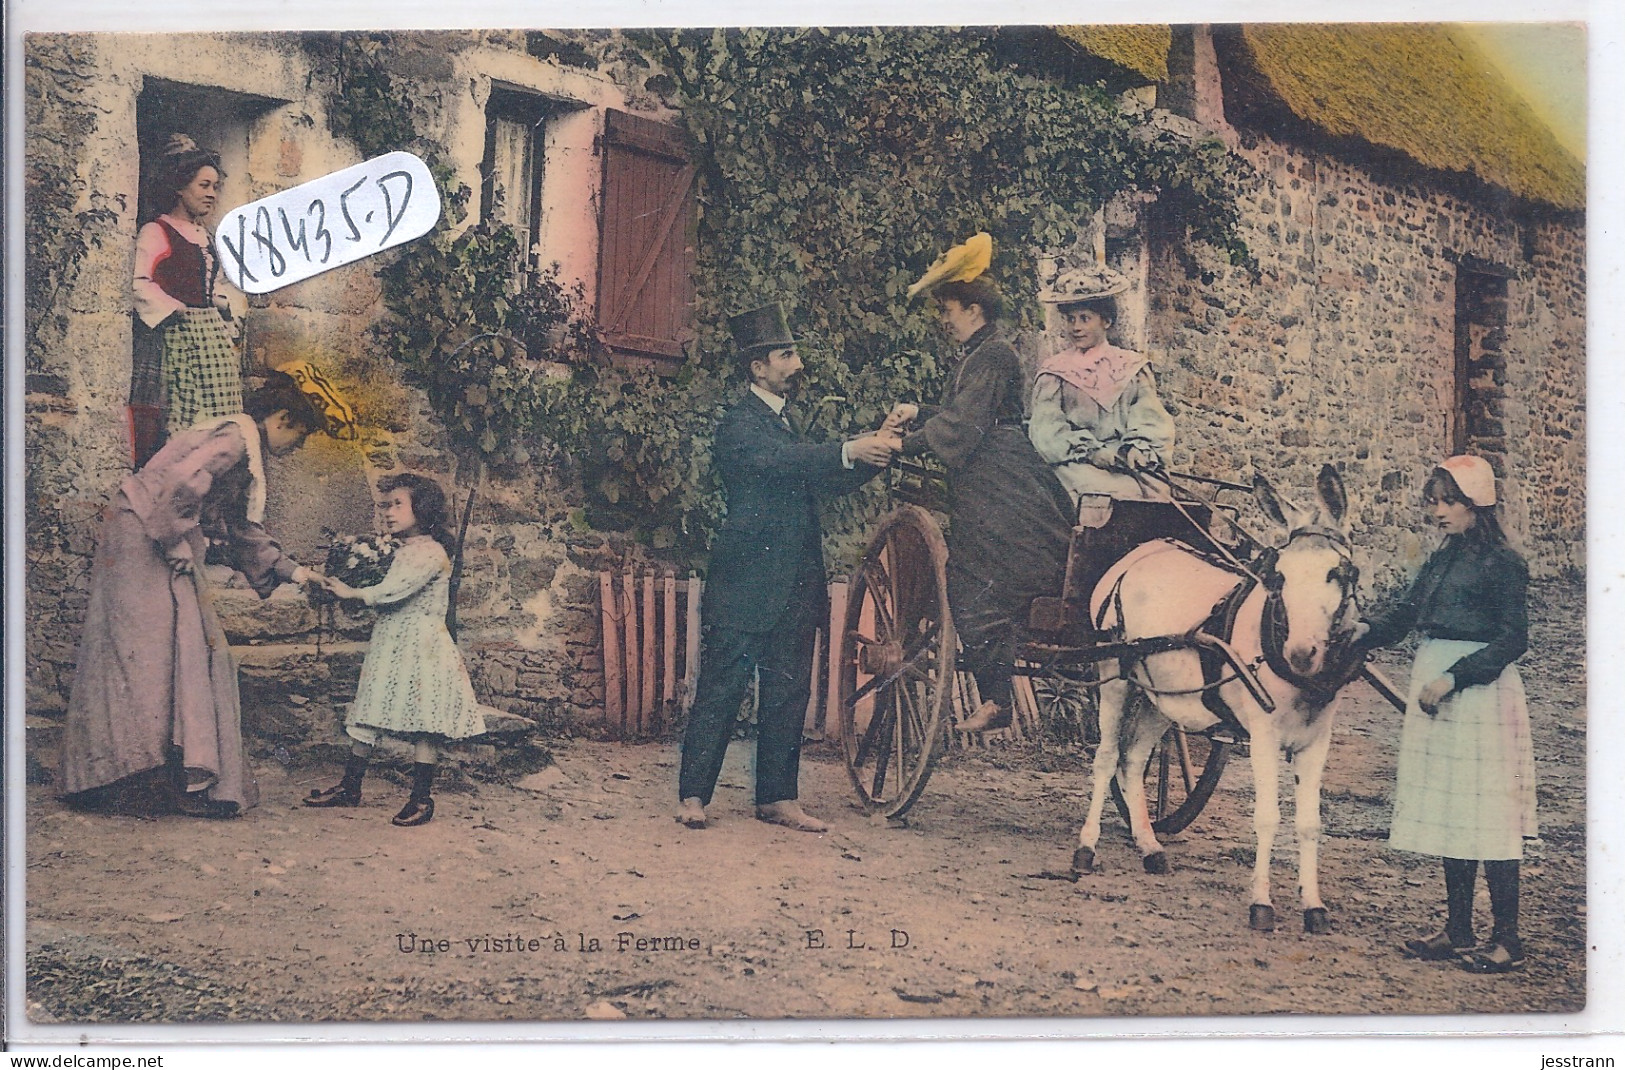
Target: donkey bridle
(1343, 659)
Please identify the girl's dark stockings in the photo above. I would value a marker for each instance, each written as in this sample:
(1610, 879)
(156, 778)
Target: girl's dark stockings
(1502, 877)
(1460, 878)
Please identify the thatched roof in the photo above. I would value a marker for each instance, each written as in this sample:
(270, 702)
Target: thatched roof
(1414, 88)
(1141, 49)
(1421, 90)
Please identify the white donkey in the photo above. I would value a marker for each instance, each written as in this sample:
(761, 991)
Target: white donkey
(1293, 627)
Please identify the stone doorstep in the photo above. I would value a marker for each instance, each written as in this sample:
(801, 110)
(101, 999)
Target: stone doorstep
(293, 697)
(507, 751)
(267, 654)
(276, 672)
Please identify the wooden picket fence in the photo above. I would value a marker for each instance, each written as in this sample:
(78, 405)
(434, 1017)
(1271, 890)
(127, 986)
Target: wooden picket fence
(645, 681)
(651, 656)
(651, 652)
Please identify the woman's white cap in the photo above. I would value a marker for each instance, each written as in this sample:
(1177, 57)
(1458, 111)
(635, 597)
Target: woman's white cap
(1474, 477)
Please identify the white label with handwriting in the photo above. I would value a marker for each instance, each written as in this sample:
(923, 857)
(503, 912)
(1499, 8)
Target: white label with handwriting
(335, 220)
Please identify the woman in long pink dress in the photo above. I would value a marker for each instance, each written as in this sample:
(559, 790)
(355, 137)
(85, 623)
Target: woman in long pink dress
(155, 687)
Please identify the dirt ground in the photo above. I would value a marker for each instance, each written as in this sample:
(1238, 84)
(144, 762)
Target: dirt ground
(510, 904)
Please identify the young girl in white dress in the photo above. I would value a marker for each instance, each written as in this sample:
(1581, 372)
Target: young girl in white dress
(414, 684)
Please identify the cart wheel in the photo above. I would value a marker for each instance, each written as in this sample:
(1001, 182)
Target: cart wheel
(1179, 779)
(897, 662)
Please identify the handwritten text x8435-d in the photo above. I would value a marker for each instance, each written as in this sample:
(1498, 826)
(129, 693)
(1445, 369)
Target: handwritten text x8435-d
(335, 220)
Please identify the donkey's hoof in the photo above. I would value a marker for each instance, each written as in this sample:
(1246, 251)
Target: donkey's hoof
(1261, 918)
(1315, 920)
(1083, 861)
(1156, 862)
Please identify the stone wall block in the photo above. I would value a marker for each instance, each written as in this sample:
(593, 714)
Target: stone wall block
(246, 618)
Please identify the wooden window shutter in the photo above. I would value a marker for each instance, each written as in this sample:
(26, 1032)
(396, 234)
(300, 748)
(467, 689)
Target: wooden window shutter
(645, 264)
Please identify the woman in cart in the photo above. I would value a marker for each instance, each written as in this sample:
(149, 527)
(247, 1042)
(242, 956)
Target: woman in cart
(1097, 418)
(1011, 516)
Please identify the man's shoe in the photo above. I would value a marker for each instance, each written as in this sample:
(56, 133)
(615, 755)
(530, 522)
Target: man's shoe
(790, 814)
(989, 717)
(692, 814)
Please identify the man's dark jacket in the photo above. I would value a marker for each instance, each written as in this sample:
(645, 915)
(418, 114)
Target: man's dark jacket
(771, 539)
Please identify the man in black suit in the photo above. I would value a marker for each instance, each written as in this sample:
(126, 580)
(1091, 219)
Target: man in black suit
(765, 592)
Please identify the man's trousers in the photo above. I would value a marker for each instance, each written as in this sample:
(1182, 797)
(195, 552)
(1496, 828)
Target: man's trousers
(728, 657)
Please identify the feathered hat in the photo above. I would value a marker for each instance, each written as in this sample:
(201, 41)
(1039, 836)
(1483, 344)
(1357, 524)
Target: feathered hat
(325, 397)
(1083, 284)
(959, 264)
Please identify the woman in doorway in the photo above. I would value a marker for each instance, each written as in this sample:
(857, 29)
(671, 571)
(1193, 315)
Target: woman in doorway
(198, 374)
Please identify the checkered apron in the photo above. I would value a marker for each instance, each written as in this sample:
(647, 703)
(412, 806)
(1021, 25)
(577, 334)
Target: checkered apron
(202, 375)
(1467, 775)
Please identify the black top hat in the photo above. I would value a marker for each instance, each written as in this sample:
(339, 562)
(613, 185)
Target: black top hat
(761, 328)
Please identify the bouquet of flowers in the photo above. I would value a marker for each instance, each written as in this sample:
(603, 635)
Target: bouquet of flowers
(358, 560)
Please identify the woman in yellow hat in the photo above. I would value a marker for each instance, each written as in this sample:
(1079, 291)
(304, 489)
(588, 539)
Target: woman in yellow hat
(1011, 516)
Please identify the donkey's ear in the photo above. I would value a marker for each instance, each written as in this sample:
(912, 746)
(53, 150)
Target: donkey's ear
(1272, 502)
(1329, 485)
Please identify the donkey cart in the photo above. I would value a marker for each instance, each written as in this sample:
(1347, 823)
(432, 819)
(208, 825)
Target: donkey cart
(899, 674)
(1192, 643)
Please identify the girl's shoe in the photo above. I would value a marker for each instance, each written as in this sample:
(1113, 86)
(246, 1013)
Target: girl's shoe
(419, 808)
(414, 813)
(1436, 948)
(1497, 958)
(346, 792)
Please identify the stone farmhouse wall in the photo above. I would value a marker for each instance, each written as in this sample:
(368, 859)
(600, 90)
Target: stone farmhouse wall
(1341, 350)
(529, 608)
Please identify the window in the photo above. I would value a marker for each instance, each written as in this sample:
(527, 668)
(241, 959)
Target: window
(645, 290)
(1477, 407)
(512, 170)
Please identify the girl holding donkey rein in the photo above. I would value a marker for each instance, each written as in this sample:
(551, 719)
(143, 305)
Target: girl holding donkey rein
(1466, 790)
(414, 684)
